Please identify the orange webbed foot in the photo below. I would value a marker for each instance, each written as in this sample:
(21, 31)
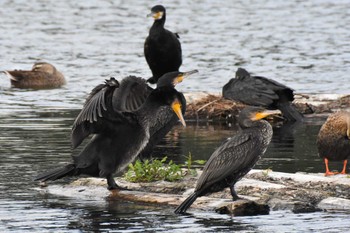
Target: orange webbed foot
(330, 173)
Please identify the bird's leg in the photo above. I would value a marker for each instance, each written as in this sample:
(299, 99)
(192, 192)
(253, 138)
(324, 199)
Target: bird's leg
(233, 193)
(344, 167)
(112, 185)
(328, 172)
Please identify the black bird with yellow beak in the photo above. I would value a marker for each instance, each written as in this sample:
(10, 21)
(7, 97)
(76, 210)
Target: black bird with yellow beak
(162, 47)
(130, 96)
(235, 157)
(118, 136)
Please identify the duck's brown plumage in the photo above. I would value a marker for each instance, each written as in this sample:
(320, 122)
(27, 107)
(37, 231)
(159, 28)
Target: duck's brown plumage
(42, 75)
(333, 141)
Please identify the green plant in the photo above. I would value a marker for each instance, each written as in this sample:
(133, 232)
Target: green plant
(153, 170)
(266, 172)
(189, 162)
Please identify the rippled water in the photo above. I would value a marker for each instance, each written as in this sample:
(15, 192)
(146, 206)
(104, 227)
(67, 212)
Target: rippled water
(37, 140)
(302, 44)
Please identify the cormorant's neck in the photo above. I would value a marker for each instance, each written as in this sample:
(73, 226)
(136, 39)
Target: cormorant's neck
(148, 108)
(159, 23)
(260, 129)
(261, 124)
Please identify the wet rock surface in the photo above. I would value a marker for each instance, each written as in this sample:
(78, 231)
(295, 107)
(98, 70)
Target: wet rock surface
(260, 190)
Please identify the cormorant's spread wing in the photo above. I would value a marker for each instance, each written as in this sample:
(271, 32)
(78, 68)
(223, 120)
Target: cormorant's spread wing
(226, 159)
(131, 94)
(97, 114)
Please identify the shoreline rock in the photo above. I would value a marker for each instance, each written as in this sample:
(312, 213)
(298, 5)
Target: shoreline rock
(261, 191)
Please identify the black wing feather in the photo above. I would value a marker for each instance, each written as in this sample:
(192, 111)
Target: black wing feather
(218, 167)
(97, 115)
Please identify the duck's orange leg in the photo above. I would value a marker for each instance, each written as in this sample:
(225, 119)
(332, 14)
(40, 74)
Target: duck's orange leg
(344, 167)
(328, 172)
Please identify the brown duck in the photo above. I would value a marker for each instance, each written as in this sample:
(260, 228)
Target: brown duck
(42, 75)
(333, 142)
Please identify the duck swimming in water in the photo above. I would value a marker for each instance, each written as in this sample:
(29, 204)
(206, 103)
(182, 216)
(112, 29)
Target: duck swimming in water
(42, 76)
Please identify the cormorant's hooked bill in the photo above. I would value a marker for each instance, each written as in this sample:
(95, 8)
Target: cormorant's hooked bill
(176, 106)
(265, 113)
(174, 77)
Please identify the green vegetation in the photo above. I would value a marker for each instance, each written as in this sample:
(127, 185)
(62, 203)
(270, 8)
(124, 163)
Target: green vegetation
(155, 169)
(189, 163)
(148, 171)
(266, 172)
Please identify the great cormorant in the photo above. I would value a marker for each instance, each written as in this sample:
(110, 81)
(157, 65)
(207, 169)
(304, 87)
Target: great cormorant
(235, 157)
(162, 47)
(118, 136)
(43, 75)
(130, 95)
(261, 91)
(333, 141)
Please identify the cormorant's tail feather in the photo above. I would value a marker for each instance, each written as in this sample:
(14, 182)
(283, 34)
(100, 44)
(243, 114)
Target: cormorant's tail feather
(56, 173)
(290, 112)
(181, 209)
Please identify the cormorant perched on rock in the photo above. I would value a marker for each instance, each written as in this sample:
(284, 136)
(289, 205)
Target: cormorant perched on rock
(162, 47)
(261, 91)
(333, 141)
(235, 157)
(131, 94)
(119, 136)
(43, 75)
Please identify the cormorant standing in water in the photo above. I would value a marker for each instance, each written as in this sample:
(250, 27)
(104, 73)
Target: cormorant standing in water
(235, 157)
(119, 136)
(333, 141)
(261, 91)
(162, 47)
(42, 76)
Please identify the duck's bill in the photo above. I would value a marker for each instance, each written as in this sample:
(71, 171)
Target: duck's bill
(176, 106)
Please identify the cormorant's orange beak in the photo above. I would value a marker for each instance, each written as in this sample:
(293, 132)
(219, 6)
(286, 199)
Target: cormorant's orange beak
(176, 106)
(182, 76)
(156, 15)
(260, 115)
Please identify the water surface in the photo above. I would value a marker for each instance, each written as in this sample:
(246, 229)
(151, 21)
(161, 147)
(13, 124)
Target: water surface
(305, 45)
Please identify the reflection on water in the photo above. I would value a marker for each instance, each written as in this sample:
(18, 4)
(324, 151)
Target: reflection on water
(37, 140)
(292, 148)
